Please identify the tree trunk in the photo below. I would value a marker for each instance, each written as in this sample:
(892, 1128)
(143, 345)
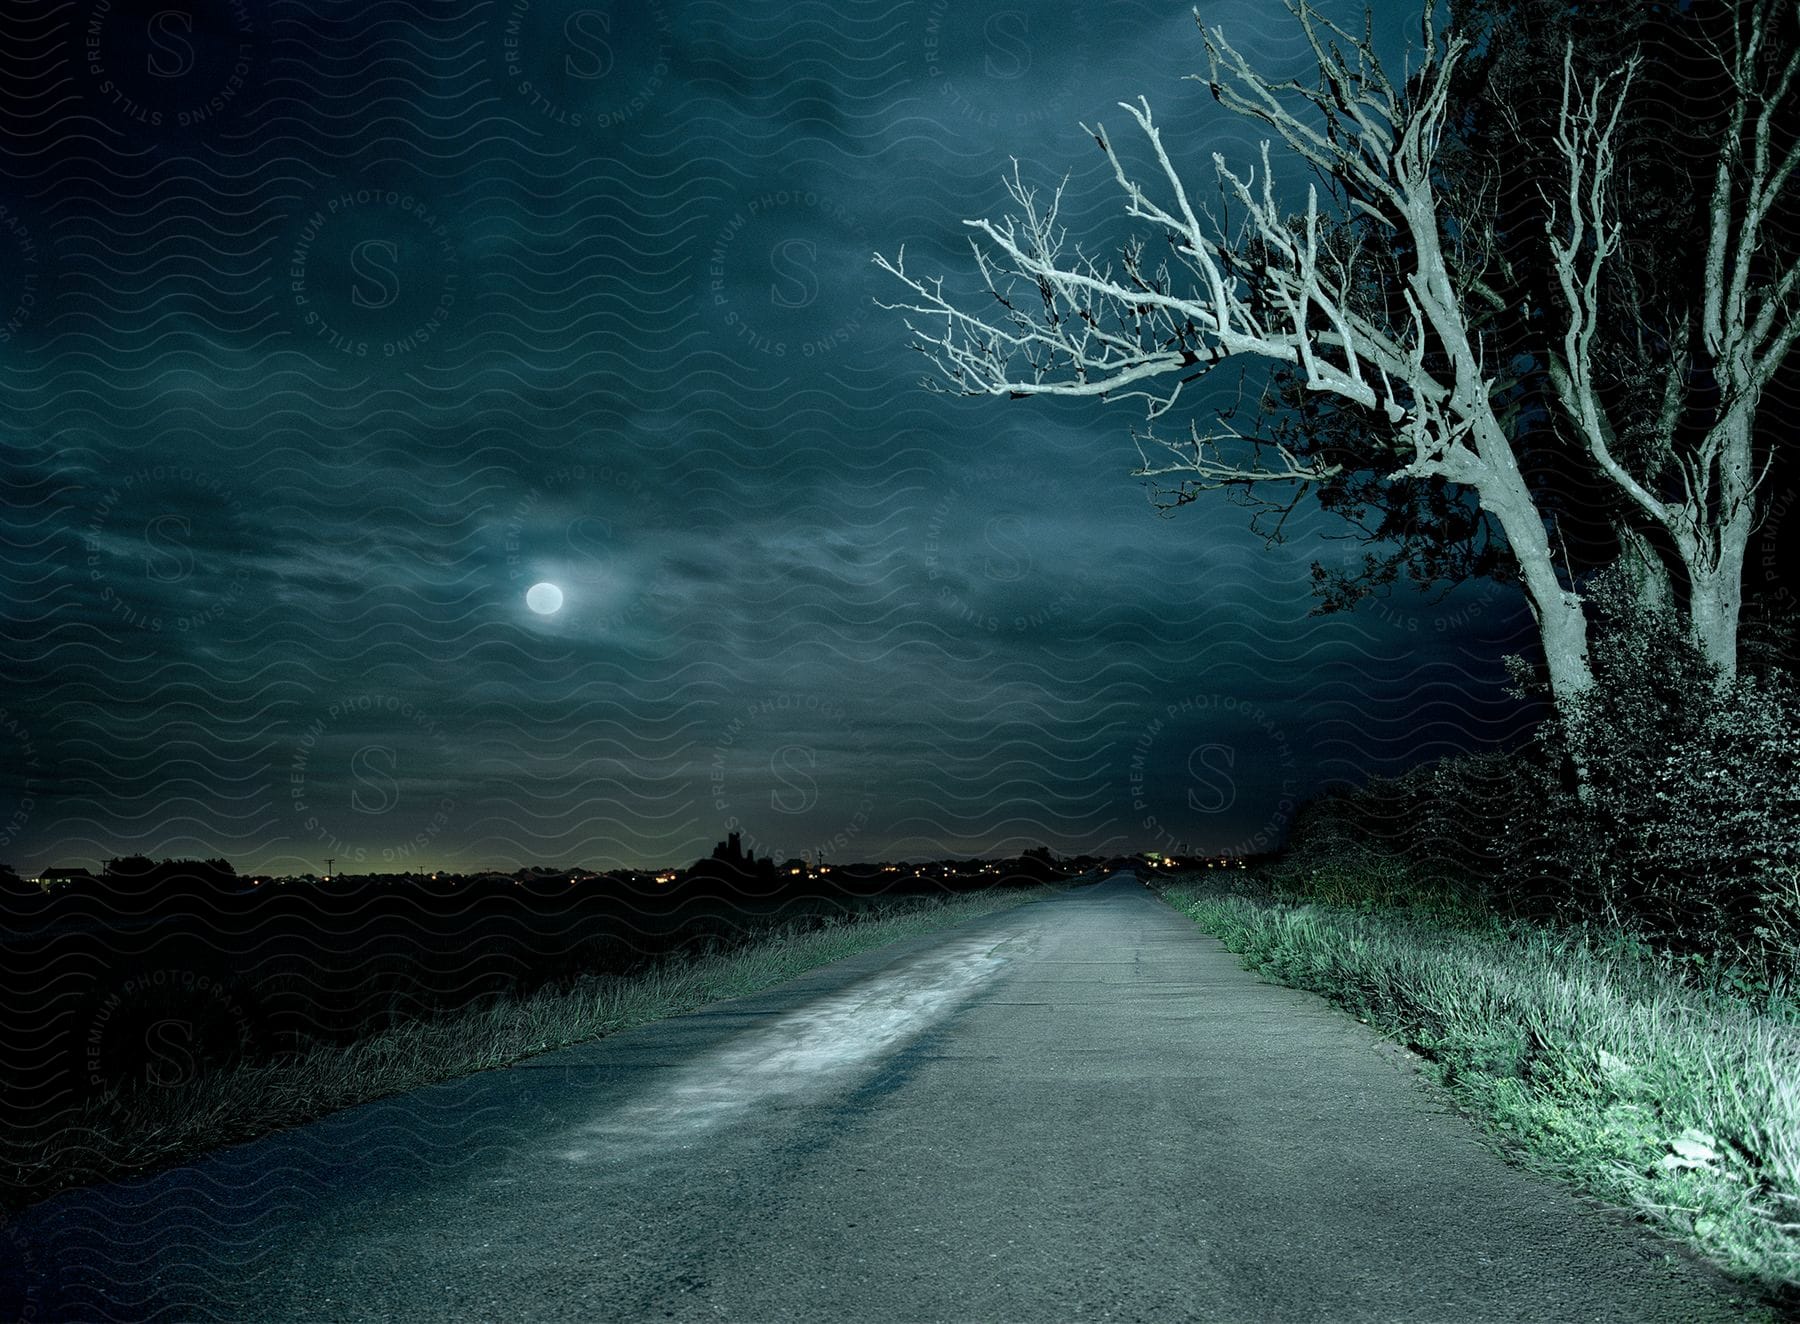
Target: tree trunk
(1717, 575)
(1714, 608)
(1562, 628)
(1645, 571)
(1561, 619)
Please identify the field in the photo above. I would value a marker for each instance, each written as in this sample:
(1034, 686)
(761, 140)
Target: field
(150, 1035)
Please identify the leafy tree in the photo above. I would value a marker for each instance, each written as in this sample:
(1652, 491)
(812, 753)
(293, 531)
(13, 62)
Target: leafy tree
(16, 893)
(138, 874)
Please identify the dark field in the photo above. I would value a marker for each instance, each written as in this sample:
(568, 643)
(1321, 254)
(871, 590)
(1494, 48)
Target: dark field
(119, 1001)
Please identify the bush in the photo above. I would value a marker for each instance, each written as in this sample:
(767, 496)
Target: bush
(1430, 838)
(1691, 833)
(1690, 837)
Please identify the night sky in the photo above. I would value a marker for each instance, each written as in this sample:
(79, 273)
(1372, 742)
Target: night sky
(329, 329)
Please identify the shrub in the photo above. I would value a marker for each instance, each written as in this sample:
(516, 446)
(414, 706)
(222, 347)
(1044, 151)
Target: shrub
(1690, 837)
(1692, 829)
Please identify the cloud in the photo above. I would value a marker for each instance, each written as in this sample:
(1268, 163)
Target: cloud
(432, 307)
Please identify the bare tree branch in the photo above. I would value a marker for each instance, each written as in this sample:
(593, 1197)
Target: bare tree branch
(1401, 339)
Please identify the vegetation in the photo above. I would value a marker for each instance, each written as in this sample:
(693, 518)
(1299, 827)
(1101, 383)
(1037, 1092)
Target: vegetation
(1652, 1080)
(1604, 968)
(1689, 838)
(149, 1124)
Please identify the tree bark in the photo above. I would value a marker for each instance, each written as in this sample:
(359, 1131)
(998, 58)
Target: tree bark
(1560, 614)
(1718, 596)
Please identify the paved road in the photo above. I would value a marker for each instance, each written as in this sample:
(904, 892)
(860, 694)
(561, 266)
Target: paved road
(1081, 1109)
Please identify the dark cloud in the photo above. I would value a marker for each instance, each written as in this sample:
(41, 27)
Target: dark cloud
(328, 331)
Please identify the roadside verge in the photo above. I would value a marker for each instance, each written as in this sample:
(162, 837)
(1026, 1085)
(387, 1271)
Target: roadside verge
(1586, 1061)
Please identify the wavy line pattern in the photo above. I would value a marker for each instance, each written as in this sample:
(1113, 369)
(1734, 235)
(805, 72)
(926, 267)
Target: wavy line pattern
(424, 310)
(330, 327)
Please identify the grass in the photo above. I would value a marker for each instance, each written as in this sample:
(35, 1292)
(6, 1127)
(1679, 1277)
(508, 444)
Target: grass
(150, 1128)
(1593, 1060)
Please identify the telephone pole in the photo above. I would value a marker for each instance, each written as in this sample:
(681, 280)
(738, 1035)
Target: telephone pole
(328, 863)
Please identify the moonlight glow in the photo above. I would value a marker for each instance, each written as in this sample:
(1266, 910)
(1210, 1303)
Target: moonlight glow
(545, 599)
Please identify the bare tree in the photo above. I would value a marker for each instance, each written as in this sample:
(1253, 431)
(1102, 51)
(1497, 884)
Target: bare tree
(1692, 479)
(1376, 297)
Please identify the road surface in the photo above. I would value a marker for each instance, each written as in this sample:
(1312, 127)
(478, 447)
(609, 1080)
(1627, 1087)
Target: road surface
(1079, 1109)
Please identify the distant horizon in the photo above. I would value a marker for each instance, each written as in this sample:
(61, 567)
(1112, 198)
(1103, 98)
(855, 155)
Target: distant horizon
(364, 870)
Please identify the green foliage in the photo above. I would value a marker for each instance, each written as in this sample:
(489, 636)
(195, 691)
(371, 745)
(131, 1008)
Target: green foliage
(1689, 838)
(1692, 830)
(1591, 1059)
(1428, 840)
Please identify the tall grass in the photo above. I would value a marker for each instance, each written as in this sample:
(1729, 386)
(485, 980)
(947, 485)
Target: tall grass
(148, 1128)
(1593, 1059)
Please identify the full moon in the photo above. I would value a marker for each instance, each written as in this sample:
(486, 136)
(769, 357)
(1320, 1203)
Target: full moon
(544, 599)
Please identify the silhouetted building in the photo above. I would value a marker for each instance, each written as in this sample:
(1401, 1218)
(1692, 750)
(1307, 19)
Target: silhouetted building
(731, 851)
(733, 869)
(62, 874)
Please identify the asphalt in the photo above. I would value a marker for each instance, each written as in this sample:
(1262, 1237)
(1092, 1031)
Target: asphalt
(1079, 1109)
